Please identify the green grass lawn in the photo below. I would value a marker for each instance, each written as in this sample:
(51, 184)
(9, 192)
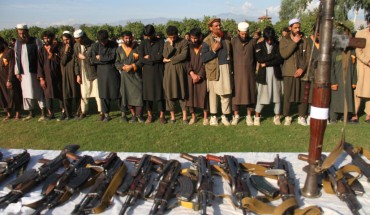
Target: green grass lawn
(124, 137)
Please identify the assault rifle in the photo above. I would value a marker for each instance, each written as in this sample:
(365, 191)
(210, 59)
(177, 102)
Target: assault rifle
(205, 181)
(171, 179)
(32, 178)
(17, 163)
(99, 196)
(358, 161)
(344, 191)
(60, 187)
(238, 180)
(286, 182)
(137, 186)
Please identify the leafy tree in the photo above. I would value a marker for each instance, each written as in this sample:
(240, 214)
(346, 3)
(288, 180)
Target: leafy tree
(190, 24)
(136, 28)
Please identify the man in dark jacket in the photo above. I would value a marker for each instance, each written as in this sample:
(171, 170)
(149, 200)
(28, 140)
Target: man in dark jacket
(103, 55)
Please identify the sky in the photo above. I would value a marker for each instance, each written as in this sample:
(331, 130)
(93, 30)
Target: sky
(70, 12)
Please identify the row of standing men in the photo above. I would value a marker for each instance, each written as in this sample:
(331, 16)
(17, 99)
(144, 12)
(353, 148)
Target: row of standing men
(194, 73)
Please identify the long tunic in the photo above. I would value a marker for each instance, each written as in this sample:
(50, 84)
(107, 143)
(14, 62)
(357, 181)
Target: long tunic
(175, 74)
(9, 98)
(71, 88)
(339, 59)
(31, 88)
(198, 95)
(108, 75)
(89, 85)
(152, 69)
(269, 77)
(49, 69)
(363, 70)
(131, 82)
(244, 71)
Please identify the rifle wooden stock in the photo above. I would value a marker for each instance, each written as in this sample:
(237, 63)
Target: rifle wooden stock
(133, 159)
(215, 158)
(266, 164)
(188, 157)
(158, 160)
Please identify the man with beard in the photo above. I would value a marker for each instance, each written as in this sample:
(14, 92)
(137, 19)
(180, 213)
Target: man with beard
(10, 88)
(295, 50)
(87, 71)
(127, 62)
(49, 72)
(103, 55)
(216, 55)
(197, 83)
(26, 62)
(70, 77)
(244, 59)
(175, 53)
(151, 57)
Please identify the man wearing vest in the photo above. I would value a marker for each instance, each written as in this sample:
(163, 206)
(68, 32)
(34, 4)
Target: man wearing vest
(216, 55)
(26, 59)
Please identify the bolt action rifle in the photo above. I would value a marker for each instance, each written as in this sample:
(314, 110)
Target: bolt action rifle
(204, 187)
(17, 163)
(99, 196)
(30, 179)
(237, 178)
(138, 185)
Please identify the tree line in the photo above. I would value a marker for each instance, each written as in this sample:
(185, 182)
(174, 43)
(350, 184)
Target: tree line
(184, 26)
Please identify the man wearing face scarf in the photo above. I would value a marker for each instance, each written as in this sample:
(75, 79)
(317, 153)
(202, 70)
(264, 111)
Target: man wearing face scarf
(103, 56)
(244, 60)
(197, 82)
(26, 61)
(70, 77)
(216, 55)
(49, 72)
(127, 62)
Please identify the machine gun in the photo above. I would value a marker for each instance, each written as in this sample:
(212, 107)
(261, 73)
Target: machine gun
(237, 179)
(60, 187)
(17, 163)
(135, 188)
(205, 182)
(32, 178)
(168, 186)
(99, 196)
(358, 161)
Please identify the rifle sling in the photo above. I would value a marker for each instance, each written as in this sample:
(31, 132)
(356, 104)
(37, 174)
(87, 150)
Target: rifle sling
(113, 186)
(339, 174)
(332, 157)
(360, 150)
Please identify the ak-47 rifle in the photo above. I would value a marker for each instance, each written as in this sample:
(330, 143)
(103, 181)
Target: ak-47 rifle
(99, 196)
(32, 178)
(17, 163)
(344, 191)
(55, 190)
(358, 161)
(136, 187)
(167, 187)
(205, 181)
(238, 179)
(286, 181)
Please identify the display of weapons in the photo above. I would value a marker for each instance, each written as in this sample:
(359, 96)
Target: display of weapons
(17, 163)
(100, 194)
(168, 182)
(358, 161)
(136, 188)
(30, 179)
(238, 178)
(61, 186)
(204, 187)
(286, 181)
